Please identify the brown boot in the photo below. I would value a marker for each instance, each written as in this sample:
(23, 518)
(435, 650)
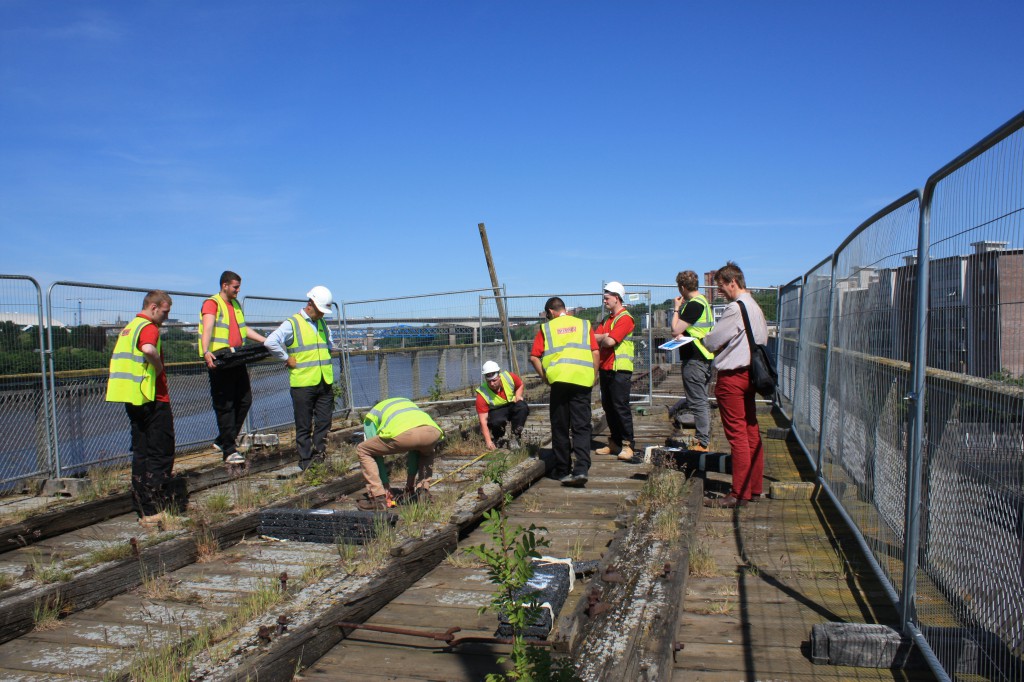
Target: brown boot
(377, 503)
(626, 454)
(610, 449)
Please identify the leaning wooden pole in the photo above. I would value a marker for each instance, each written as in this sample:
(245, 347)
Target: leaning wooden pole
(505, 329)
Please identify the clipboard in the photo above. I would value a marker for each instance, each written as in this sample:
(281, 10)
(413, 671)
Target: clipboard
(672, 344)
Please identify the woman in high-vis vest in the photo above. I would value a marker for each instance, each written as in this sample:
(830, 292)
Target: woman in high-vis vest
(392, 426)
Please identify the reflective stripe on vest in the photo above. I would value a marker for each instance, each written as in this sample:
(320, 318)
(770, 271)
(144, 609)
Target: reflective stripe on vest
(624, 349)
(311, 351)
(221, 325)
(567, 354)
(492, 398)
(699, 329)
(132, 379)
(397, 415)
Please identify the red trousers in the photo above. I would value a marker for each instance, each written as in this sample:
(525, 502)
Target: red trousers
(739, 421)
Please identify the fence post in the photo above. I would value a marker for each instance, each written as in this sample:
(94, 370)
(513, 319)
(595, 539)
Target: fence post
(915, 433)
(828, 370)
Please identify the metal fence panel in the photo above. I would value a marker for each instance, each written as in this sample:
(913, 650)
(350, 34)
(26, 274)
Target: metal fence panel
(972, 500)
(83, 323)
(788, 344)
(24, 417)
(864, 460)
(419, 347)
(816, 293)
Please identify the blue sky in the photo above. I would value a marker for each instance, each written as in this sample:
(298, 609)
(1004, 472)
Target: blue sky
(358, 144)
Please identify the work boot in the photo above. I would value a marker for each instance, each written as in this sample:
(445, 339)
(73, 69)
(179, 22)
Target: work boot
(610, 449)
(697, 447)
(626, 454)
(376, 503)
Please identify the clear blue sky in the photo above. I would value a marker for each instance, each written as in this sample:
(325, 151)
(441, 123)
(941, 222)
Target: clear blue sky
(358, 144)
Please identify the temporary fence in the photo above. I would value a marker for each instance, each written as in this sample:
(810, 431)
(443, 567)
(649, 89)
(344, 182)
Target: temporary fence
(422, 347)
(25, 449)
(907, 393)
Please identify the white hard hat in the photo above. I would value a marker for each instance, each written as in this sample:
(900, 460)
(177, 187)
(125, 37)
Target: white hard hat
(616, 288)
(321, 298)
(490, 367)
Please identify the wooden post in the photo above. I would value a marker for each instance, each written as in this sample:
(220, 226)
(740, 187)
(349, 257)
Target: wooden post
(498, 299)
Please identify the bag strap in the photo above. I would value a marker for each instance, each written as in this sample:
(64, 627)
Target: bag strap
(746, 325)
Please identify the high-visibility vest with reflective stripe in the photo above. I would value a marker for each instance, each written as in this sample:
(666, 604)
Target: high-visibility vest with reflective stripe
(311, 351)
(699, 329)
(492, 398)
(221, 325)
(132, 378)
(396, 415)
(624, 350)
(568, 356)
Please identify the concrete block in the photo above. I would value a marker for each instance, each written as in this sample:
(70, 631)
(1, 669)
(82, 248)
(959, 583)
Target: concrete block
(790, 490)
(863, 645)
(65, 487)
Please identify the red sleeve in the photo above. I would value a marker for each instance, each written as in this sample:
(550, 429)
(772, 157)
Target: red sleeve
(149, 334)
(538, 345)
(481, 405)
(593, 341)
(209, 307)
(623, 328)
(516, 381)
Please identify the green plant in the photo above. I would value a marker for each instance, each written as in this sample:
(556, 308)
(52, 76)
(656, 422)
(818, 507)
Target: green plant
(702, 563)
(509, 565)
(6, 581)
(46, 613)
(437, 389)
(497, 467)
(52, 572)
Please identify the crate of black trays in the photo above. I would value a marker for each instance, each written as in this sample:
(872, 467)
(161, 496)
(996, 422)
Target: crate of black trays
(323, 525)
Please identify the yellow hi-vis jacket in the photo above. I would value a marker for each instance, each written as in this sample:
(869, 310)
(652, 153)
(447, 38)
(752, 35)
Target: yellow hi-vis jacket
(624, 350)
(699, 329)
(397, 415)
(492, 398)
(568, 356)
(132, 378)
(221, 325)
(311, 351)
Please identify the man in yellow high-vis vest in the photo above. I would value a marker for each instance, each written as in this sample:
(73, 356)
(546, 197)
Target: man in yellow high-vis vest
(304, 342)
(692, 316)
(222, 324)
(615, 339)
(137, 379)
(565, 356)
(392, 426)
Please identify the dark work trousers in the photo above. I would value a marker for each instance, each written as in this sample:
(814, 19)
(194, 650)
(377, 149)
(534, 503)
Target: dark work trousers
(615, 389)
(516, 413)
(570, 428)
(152, 455)
(232, 396)
(696, 377)
(313, 407)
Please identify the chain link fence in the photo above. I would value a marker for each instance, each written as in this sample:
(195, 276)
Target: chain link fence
(788, 344)
(25, 448)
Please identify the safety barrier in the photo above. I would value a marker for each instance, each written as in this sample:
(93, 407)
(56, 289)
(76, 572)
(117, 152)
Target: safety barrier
(902, 363)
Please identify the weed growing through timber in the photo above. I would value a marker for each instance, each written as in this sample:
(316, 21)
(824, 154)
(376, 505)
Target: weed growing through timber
(53, 572)
(314, 570)
(6, 581)
(532, 503)
(348, 555)
(46, 613)
(714, 530)
(207, 546)
(216, 505)
(509, 564)
(751, 570)
(249, 495)
(378, 550)
(576, 550)
(718, 608)
(316, 474)
(104, 481)
(115, 551)
(702, 563)
(463, 559)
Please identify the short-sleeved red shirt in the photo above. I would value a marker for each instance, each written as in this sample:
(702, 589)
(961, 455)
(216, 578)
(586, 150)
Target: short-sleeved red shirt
(623, 328)
(481, 404)
(538, 343)
(151, 334)
(234, 335)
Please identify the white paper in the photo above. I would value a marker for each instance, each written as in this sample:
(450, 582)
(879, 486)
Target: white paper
(676, 343)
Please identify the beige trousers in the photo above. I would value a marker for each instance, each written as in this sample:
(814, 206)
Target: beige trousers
(419, 438)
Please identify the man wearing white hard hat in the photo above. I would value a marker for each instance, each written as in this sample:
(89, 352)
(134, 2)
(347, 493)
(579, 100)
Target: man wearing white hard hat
(304, 342)
(499, 402)
(222, 325)
(615, 338)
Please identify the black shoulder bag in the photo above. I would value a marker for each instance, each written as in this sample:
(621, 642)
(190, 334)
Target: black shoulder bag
(763, 376)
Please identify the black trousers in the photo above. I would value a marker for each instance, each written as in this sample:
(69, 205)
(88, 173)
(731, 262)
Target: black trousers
(615, 389)
(570, 428)
(232, 397)
(498, 417)
(313, 406)
(152, 455)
